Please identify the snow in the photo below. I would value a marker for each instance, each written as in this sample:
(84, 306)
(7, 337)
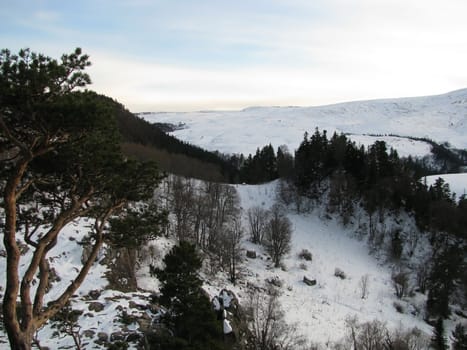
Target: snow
(442, 118)
(320, 311)
(227, 327)
(457, 182)
(65, 259)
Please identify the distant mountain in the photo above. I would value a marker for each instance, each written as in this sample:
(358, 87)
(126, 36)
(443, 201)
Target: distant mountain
(442, 118)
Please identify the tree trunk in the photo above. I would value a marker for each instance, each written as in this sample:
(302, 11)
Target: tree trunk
(21, 340)
(18, 339)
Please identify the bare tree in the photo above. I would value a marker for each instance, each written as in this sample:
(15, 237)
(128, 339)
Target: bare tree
(257, 220)
(268, 327)
(375, 335)
(230, 246)
(400, 282)
(278, 234)
(423, 275)
(182, 198)
(364, 285)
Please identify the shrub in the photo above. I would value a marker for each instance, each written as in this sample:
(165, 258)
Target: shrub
(305, 254)
(339, 273)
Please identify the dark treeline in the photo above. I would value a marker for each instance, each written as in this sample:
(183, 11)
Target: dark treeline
(376, 175)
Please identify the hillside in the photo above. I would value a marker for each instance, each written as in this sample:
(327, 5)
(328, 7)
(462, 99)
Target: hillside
(319, 312)
(146, 141)
(442, 118)
(354, 260)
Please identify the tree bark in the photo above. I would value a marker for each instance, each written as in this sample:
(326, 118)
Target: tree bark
(15, 332)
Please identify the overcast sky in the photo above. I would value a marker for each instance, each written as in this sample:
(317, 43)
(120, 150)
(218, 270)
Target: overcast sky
(155, 55)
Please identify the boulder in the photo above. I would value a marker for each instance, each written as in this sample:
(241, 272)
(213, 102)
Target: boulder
(96, 306)
(102, 336)
(309, 281)
(251, 254)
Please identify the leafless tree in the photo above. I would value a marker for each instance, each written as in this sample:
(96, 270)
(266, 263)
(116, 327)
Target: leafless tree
(423, 274)
(257, 220)
(278, 234)
(182, 198)
(375, 335)
(231, 246)
(364, 286)
(268, 327)
(400, 282)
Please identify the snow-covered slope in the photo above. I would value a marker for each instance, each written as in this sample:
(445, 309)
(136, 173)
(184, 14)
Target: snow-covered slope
(442, 118)
(320, 311)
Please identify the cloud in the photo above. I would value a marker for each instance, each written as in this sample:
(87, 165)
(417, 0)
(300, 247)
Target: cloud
(214, 54)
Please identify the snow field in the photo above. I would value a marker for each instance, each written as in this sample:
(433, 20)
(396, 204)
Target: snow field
(441, 118)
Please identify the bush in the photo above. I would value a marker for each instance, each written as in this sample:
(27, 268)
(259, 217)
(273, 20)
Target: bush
(339, 273)
(399, 308)
(305, 254)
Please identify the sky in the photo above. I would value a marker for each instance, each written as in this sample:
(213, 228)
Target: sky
(180, 55)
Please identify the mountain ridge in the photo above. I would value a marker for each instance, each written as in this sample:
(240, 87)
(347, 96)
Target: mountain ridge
(442, 118)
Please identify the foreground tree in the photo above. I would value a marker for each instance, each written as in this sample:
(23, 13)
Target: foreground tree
(190, 319)
(60, 160)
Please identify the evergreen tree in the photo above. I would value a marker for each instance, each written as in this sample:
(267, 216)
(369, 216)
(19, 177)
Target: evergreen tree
(446, 270)
(189, 316)
(438, 341)
(60, 160)
(285, 163)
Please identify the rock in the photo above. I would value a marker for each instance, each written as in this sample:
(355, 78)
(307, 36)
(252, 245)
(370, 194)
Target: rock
(144, 323)
(94, 294)
(115, 336)
(251, 254)
(96, 306)
(102, 336)
(308, 281)
(89, 333)
(134, 305)
(133, 337)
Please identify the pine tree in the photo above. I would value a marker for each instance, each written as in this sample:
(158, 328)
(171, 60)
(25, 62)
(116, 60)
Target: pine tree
(189, 316)
(60, 160)
(446, 269)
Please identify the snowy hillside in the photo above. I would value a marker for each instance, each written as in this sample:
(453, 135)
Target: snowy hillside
(320, 311)
(442, 118)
